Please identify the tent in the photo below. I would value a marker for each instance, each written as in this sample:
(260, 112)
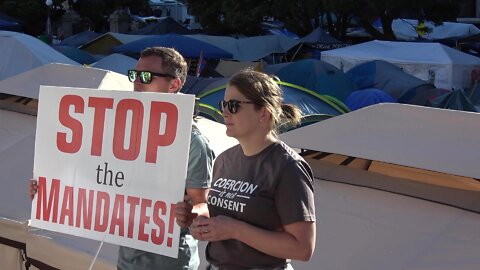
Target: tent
(309, 102)
(367, 97)
(396, 187)
(318, 39)
(317, 76)
(188, 47)
(80, 39)
(20, 53)
(104, 44)
(75, 54)
(194, 85)
(8, 23)
(394, 81)
(455, 100)
(251, 48)
(405, 29)
(433, 62)
(163, 26)
(116, 62)
(413, 136)
(227, 68)
(27, 84)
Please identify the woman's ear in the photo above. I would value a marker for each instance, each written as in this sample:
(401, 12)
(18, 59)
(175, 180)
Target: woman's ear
(265, 115)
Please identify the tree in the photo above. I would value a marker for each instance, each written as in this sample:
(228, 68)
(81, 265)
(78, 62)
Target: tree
(34, 13)
(368, 11)
(301, 16)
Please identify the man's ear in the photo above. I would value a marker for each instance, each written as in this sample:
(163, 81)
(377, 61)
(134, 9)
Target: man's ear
(175, 85)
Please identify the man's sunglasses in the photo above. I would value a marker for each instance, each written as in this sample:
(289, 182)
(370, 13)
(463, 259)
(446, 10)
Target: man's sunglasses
(232, 105)
(146, 76)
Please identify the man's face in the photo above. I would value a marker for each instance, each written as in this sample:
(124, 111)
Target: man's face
(158, 84)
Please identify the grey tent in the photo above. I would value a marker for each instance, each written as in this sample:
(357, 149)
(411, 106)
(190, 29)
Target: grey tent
(164, 25)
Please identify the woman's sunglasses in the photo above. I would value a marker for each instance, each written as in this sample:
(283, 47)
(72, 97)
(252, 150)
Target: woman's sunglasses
(145, 76)
(232, 105)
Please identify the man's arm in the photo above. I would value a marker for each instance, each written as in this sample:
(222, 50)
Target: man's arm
(198, 200)
(194, 204)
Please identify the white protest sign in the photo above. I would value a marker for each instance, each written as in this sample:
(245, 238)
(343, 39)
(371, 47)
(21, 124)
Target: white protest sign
(111, 165)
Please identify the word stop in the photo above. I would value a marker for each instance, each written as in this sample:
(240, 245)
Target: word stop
(162, 126)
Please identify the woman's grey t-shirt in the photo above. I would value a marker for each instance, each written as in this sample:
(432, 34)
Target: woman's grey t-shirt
(268, 190)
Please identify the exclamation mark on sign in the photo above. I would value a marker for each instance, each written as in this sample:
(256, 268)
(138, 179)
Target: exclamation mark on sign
(170, 224)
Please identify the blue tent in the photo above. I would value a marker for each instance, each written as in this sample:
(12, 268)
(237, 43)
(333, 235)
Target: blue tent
(80, 39)
(164, 25)
(321, 77)
(309, 102)
(188, 47)
(366, 97)
(76, 54)
(393, 80)
(8, 23)
(454, 100)
(10, 26)
(320, 40)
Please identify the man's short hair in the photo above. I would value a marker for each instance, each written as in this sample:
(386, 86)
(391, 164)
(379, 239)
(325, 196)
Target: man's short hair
(172, 61)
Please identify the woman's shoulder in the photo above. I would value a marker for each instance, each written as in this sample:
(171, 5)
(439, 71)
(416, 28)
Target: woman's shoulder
(287, 152)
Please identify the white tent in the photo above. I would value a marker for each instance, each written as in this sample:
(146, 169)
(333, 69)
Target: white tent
(446, 67)
(116, 62)
(395, 188)
(20, 53)
(27, 84)
(406, 29)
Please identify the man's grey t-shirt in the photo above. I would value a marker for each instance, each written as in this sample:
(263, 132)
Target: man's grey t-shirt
(199, 170)
(268, 190)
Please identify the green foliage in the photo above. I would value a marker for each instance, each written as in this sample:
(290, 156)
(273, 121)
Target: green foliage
(301, 16)
(33, 13)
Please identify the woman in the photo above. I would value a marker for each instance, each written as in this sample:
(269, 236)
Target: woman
(261, 202)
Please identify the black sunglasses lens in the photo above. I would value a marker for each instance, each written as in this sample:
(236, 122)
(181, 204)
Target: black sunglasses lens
(132, 75)
(145, 76)
(221, 105)
(233, 106)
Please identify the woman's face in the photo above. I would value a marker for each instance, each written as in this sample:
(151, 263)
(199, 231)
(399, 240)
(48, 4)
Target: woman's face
(246, 120)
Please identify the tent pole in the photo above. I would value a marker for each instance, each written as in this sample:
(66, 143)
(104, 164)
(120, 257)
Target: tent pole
(295, 54)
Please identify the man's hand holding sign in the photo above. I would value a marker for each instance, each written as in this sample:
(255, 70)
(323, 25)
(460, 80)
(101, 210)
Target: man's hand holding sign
(111, 165)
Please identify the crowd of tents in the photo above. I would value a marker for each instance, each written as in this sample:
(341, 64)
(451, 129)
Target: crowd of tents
(326, 79)
(323, 76)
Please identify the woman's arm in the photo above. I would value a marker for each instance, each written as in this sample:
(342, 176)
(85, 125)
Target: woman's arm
(297, 241)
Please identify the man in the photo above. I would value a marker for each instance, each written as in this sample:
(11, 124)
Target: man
(164, 70)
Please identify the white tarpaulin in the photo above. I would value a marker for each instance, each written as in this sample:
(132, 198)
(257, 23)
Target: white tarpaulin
(428, 138)
(433, 62)
(27, 84)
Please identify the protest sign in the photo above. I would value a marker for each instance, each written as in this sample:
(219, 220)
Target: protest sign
(111, 165)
